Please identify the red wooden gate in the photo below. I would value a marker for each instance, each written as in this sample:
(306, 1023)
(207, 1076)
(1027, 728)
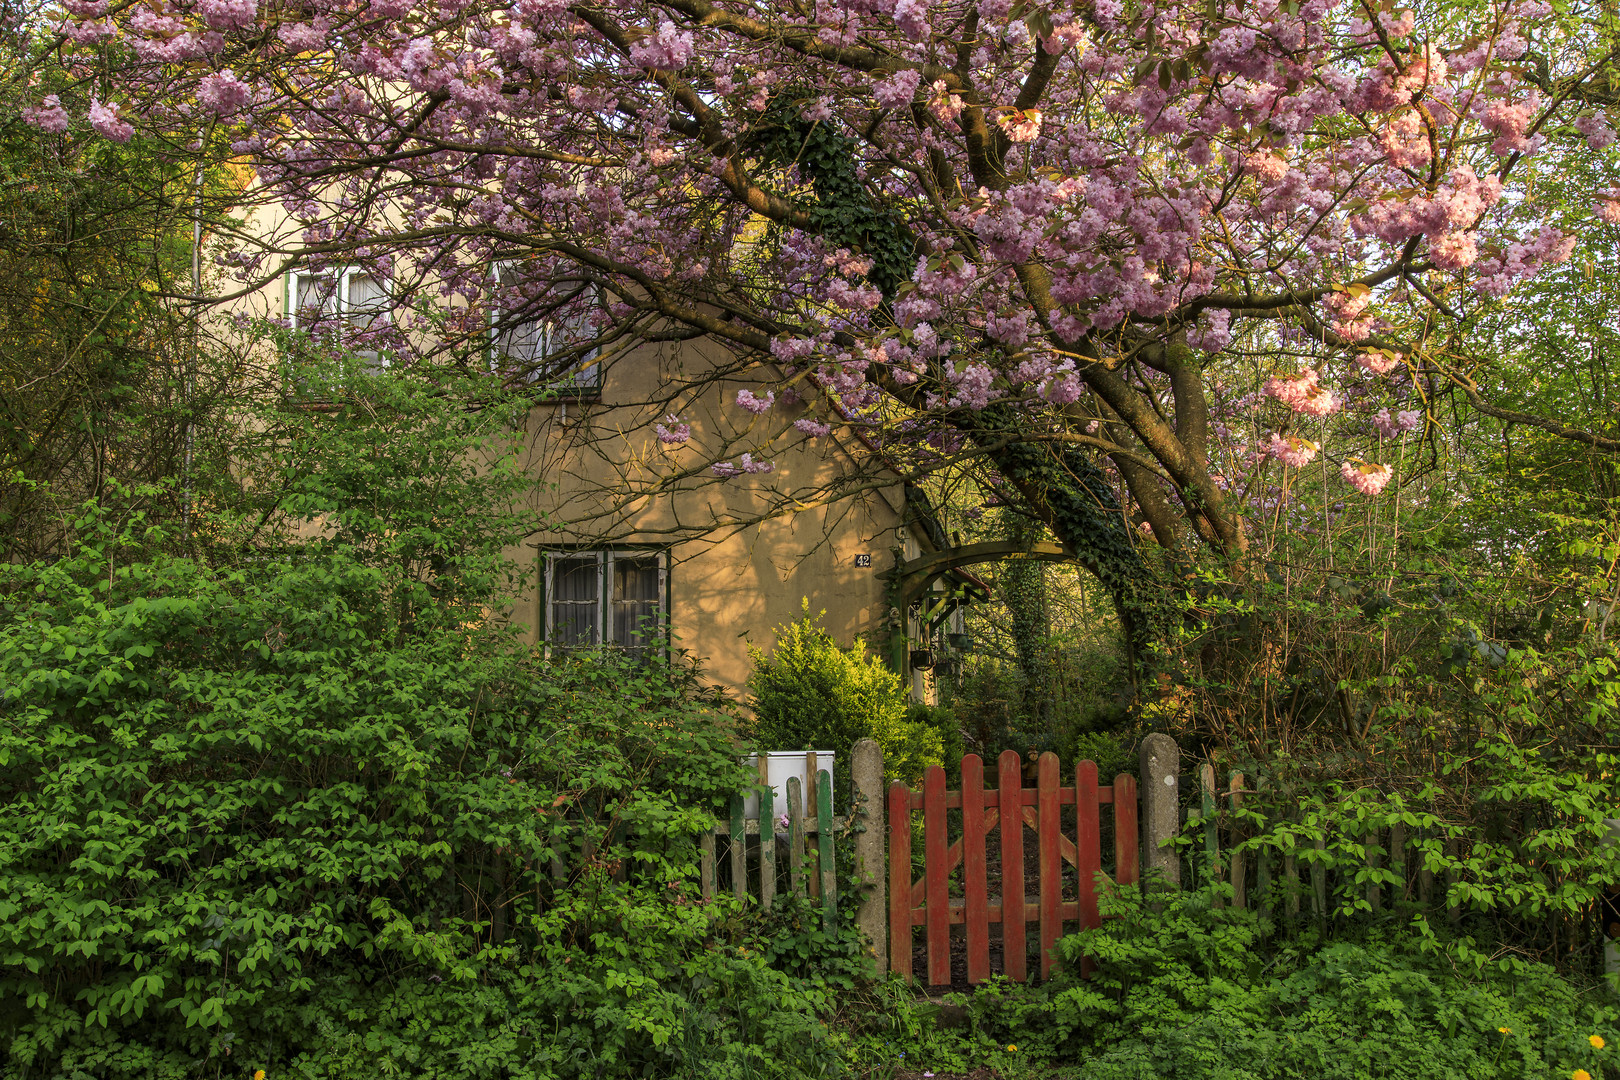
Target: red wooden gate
(927, 901)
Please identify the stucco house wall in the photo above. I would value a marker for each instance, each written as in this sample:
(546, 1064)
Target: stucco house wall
(739, 555)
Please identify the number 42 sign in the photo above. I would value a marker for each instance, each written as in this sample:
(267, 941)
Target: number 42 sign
(863, 560)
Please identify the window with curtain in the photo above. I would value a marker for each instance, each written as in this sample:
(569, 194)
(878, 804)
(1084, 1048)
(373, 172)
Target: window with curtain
(532, 347)
(606, 597)
(345, 298)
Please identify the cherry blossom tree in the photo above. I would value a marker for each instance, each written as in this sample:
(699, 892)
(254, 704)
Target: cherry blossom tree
(1020, 232)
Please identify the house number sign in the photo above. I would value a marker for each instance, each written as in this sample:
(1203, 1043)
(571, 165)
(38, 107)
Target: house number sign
(863, 560)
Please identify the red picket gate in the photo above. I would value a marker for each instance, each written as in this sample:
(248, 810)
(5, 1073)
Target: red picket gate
(927, 901)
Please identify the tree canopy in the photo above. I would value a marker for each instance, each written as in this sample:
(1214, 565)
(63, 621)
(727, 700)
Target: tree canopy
(1022, 234)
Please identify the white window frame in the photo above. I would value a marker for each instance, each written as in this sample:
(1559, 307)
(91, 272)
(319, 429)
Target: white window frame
(586, 382)
(377, 359)
(605, 560)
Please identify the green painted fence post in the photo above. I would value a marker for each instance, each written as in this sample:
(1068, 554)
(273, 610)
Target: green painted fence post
(824, 842)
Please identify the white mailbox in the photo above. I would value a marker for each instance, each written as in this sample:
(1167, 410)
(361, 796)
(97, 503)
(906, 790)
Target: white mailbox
(782, 764)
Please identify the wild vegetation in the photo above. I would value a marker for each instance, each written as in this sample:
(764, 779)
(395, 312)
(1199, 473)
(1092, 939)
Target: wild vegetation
(1292, 323)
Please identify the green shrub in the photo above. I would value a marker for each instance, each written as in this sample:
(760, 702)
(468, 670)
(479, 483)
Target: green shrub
(1190, 992)
(809, 693)
(229, 799)
(299, 808)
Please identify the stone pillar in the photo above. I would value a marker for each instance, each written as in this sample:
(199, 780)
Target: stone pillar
(1160, 760)
(871, 876)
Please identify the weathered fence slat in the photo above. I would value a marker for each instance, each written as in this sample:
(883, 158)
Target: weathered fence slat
(1397, 861)
(767, 836)
(809, 853)
(739, 850)
(1319, 883)
(900, 880)
(1369, 850)
(706, 864)
(1011, 779)
(975, 888)
(795, 798)
(1212, 843)
(1088, 841)
(1425, 875)
(935, 870)
(824, 841)
(1049, 814)
(1240, 871)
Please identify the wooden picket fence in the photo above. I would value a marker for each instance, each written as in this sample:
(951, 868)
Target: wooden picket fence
(959, 828)
(1389, 868)
(1006, 811)
(810, 865)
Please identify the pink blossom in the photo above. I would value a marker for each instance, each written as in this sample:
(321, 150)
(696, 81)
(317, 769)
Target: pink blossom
(817, 111)
(223, 94)
(107, 123)
(1021, 125)
(1268, 168)
(303, 37)
(225, 15)
(1595, 126)
(228, 14)
(1608, 206)
(1378, 362)
(1453, 250)
(1368, 478)
(1213, 331)
(813, 428)
(897, 91)
(1404, 141)
(756, 405)
(668, 49)
(1304, 394)
(945, 105)
(1292, 450)
(911, 16)
(672, 432)
(48, 115)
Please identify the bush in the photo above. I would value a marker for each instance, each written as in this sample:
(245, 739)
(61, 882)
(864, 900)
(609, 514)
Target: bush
(233, 799)
(301, 807)
(1189, 992)
(811, 694)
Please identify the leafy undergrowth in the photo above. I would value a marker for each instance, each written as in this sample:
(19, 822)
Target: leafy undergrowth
(1194, 992)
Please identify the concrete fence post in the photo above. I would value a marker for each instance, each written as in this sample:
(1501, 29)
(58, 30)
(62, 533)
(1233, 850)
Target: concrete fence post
(1160, 759)
(871, 876)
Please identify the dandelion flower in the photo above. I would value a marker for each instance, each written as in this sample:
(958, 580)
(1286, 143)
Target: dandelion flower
(258, 1074)
(1596, 1041)
(1580, 1074)
(1505, 1031)
(1013, 1049)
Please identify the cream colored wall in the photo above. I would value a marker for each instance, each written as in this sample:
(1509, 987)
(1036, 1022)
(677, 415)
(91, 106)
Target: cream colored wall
(745, 553)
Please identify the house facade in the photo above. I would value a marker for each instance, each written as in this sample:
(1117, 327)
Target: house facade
(648, 543)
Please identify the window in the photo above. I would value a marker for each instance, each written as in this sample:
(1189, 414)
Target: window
(605, 597)
(529, 348)
(346, 298)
